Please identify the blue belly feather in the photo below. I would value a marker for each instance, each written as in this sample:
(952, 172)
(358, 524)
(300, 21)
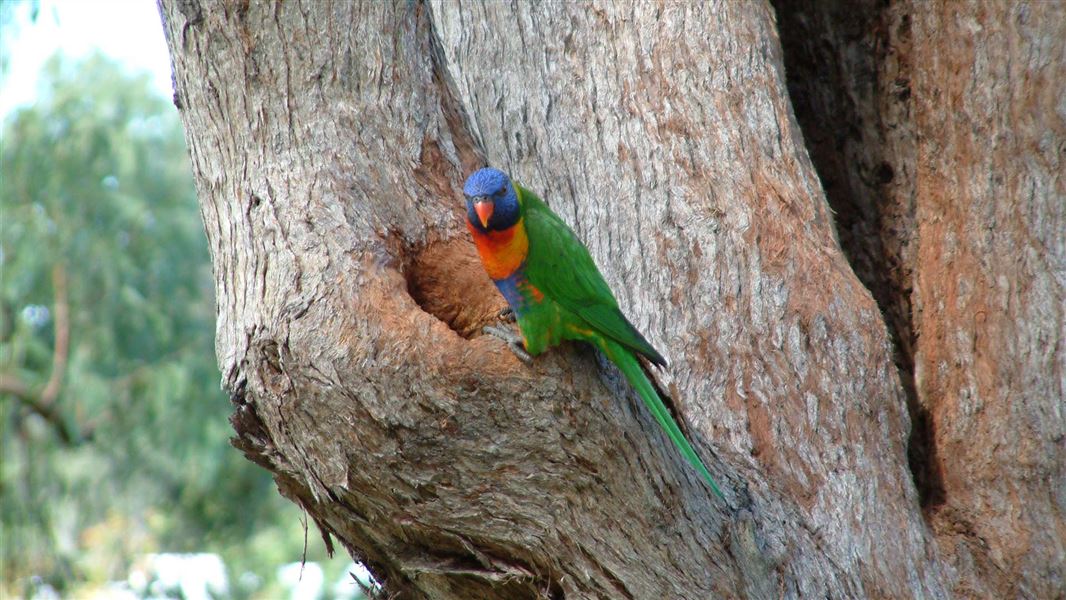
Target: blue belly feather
(510, 288)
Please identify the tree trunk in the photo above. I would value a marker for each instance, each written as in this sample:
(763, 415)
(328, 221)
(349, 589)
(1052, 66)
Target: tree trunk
(329, 143)
(940, 133)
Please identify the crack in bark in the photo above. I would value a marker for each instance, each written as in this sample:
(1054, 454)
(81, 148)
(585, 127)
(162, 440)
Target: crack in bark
(835, 59)
(445, 278)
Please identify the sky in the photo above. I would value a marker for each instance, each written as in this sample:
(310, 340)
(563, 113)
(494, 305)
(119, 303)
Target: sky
(128, 31)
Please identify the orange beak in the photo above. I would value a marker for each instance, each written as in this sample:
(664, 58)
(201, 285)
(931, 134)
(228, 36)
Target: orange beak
(484, 212)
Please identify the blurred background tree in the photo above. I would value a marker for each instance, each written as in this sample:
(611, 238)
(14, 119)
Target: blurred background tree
(115, 430)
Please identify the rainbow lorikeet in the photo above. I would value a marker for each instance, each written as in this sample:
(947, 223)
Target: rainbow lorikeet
(555, 290)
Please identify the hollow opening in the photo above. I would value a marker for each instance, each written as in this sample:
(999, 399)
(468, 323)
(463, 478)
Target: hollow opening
(447, 280)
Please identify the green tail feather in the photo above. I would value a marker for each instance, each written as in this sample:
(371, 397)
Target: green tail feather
(627, 362)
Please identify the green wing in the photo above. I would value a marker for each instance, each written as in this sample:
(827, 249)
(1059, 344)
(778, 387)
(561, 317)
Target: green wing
(560, 266)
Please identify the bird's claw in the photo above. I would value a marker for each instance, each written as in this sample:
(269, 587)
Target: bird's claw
(506, 315)
(512, 339)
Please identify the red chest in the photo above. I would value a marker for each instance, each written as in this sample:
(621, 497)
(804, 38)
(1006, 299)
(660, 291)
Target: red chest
(502, 252)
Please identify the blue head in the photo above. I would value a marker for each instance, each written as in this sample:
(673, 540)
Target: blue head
(491, 201)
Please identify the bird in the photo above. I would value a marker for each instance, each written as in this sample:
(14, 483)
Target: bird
(555, 292)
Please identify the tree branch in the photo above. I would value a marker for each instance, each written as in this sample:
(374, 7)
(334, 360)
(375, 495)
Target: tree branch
(62, 332)
(44, 402)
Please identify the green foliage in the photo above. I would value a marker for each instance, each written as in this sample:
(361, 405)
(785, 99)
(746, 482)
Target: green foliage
(98, 214)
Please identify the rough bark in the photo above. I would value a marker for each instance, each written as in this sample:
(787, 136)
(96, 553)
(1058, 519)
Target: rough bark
(940, 133)
(990, 293)
(329, 141)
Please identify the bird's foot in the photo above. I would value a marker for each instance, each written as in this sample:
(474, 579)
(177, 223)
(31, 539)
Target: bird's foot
(507, 315)
(513, 341)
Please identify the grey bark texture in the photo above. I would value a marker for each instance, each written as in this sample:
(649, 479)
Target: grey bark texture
(329, 142)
